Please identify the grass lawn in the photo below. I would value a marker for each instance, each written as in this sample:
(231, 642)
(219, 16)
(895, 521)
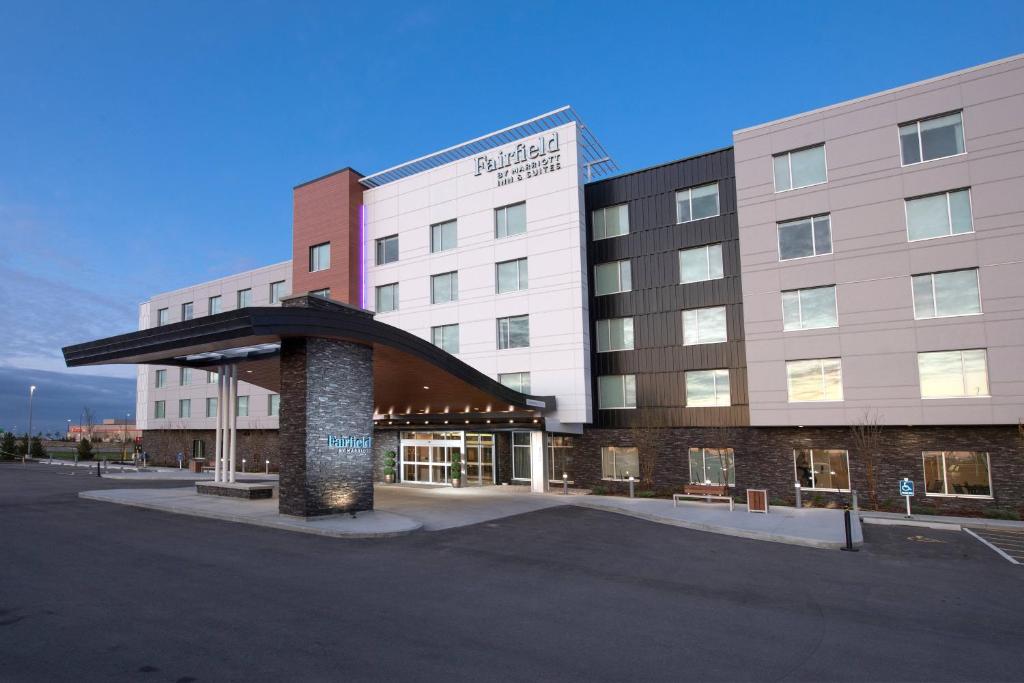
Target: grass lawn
(96, 454)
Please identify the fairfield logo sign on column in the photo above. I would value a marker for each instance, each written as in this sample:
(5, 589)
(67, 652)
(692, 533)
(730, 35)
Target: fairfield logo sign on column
(525, 160)
(349, 443)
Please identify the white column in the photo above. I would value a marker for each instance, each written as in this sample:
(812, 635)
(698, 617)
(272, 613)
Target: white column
(234, 419)
(223, 414)
(219, 431)
(538, 464)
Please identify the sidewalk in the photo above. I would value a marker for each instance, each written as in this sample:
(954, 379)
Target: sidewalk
(939, 521)
(134, 473)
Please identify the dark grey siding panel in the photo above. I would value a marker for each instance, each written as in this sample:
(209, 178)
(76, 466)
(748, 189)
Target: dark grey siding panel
(657, 300)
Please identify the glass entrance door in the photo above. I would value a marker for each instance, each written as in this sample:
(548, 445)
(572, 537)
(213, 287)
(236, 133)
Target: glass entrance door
(479, 459)
(426, 457)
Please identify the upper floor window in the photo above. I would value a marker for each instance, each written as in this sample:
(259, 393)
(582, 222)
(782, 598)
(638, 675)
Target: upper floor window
(697, 202)
(444, 287)
(616, 391)
(511, 276)
(957, 473)
(615, 334)
(276, 292)
(320, 257)
(186, 310)
(510, 220)
(387, 298)
(161, 379)
(805, 237)
(707, 388)
(242, 406)
(324, 293)
(704, 326)
(244, 298)
(211, 406)
(213, 304)
(612, 278)
(953, 374)
(514, 332)
(444, 236)
(387, 249)
(700, 264)
(184, 407)
(211, 377)
(822, 469)
(161, 316)
(939, 215)
(520, 381)
(160, 409)
(611, 221)
(184, 376)
(939, 295)
(934, 138)
(274, 405)
(816, 379)
(445, 337)
(800, 168)
(809, 309)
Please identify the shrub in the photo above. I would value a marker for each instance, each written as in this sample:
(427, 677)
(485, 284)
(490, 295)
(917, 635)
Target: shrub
(85, 450)
(599, 490)
(996, 513)
(645, 494)
(456, 465)
(8, 446)
(36, 449)
(389, 463)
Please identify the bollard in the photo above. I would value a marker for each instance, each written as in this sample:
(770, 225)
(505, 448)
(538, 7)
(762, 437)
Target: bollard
(631, 486)
(565, 483)
(849, 532)
(799, 503)
(853, 496)
(98, 469)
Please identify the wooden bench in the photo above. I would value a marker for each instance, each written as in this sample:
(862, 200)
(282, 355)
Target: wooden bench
(707, 492)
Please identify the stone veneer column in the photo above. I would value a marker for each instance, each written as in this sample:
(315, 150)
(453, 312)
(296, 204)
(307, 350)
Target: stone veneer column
(326, 391)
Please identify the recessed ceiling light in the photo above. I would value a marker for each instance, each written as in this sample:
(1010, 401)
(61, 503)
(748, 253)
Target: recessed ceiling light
(425, 386)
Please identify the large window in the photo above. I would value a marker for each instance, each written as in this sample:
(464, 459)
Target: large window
(957, 473)
(705, 388)
(519, 381)
(274, 405)
(612, 278)
(713, 466)
(611, 221)
(159, 409)
(185, 407)
(211, 406)
(939, 215)
(511, 276)
(619, 463)
(822, 469)
(276, 292)
(187, 311)
(805, 237)
(444, 236)
(445, 337)
(510, 220)
(521, 455)
(320, 257)
(697, 202)
(934, 138)
(444, 287)
(387, 298)
(816, 379)
(953, 374)
(244, 298)
(161, 379)
(615, 334)
(700, 264)
(514, 332)
(242, 406)
(559, 457)
(616, 391)
(809, 309)
(161, 316)
(800, 168)
(184, 376)
(386, 249)
(704, 326)
(213, 304)
(939, 295)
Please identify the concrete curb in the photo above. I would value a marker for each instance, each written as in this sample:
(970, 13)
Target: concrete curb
(941, 522)
(882, 521)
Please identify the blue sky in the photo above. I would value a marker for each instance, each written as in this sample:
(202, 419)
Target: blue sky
(146, 146)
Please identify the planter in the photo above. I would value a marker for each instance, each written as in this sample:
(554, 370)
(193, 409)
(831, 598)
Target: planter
(389, 479)
(456, 483)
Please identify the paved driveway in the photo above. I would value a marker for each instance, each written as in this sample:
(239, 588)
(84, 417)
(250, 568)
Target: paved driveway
(443, 507)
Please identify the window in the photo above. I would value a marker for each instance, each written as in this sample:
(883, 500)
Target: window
(619, 463)
(242, 406)
(276, 292)
(386, 249)
(274, 405)
(939, 295)
(611, 221)
(805, 237)
(161, 317)
(446, 337)
(615, 334)
(160, 409)
(520, 381)
(953, 374)
(700, 264)
(809, 309)
(616, 392)
(822, 469)
(185, 407)
(443, 236)
(712, 466)
(186, 311)
(957, 473)
(511, 276)
(161, 379)
(444, 287)
(817, 379)
(198, 449)
(387, 298)
(184, 376)
(706, 388)
(696, 203)
(213, 304)
(320, 257)
(521, 455)
(244, 298)
(612, 278)
(211, 407)
(510, 220)
(559, 456)
(211, 377)
(800, 168)
(939, 215)
(934, 138)
(704, 326)
(514, 332)
(324, 293)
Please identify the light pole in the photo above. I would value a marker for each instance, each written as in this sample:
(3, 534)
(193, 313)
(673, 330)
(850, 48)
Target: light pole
(28, 435)
(124, 436)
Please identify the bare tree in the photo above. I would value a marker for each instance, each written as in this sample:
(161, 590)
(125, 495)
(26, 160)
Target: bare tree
(725, 439)
(644, 437)
(866, 434)
(88, 421)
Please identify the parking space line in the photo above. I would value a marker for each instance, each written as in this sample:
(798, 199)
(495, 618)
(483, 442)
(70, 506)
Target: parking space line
(993, 547)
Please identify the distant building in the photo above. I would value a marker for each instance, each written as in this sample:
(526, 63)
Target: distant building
(107, 431)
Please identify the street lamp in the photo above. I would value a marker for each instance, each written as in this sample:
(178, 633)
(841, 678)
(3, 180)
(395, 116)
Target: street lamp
(28, 435)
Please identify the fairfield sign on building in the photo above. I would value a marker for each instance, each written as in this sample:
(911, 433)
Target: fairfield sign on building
(525, 160)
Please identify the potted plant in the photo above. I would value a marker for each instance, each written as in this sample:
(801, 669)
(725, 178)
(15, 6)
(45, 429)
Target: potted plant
(456, 469)
(389, 467)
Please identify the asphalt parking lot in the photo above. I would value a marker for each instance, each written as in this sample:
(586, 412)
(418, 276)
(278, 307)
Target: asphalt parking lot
(94, 591)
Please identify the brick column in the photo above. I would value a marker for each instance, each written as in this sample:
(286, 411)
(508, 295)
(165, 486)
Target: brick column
(326, 427)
